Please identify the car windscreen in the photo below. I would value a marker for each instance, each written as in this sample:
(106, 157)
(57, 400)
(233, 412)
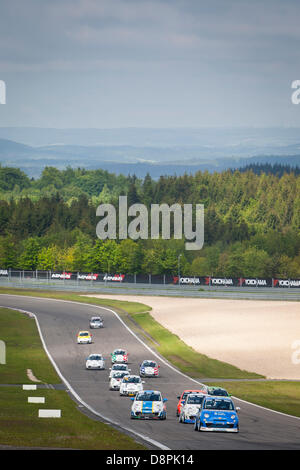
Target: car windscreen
(84, 334)
(119, 367)
(148, 397)
(194, 399)
(149, 364)
(120, 351)
(96, 319)
(95, 357)
(219, 393)
(119, 375)
(218, 404)
(132, 380)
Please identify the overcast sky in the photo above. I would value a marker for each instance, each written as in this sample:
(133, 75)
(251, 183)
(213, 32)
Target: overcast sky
(164, 63)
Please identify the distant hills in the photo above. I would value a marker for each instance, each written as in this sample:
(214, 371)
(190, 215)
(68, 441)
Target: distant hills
(142, 151)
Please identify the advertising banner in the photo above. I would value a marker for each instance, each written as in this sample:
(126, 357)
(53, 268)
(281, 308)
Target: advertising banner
(286, 282)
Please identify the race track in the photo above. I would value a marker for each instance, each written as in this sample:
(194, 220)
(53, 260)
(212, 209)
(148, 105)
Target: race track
(60, 322)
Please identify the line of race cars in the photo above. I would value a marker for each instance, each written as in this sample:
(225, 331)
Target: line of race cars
(208, 408)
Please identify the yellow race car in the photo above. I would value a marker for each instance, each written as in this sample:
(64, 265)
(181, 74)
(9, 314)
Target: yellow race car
(84, 337)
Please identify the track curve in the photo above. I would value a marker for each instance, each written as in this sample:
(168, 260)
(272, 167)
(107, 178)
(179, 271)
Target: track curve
(61, 320)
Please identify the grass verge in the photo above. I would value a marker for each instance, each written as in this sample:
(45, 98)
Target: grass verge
(24, 350)
(20, 425)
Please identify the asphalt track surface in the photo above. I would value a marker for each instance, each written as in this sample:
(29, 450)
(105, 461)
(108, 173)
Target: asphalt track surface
(60, 322)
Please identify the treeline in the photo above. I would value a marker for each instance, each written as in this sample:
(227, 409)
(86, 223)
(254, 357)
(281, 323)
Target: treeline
(252, 223)
(276, 169)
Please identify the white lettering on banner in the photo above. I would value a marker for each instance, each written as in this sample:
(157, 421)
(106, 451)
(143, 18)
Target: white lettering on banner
(116, 277)
(221, 281)
(88, 277)
(61, 275)
(255, 282)
(288, 283)
(189, 280)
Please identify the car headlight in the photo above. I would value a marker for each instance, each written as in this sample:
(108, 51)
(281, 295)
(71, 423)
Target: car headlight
(232, 416)
(206, 415)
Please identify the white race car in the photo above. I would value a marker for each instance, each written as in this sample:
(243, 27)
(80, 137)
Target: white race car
(130, 385)
(119, 355)
(84, 337)
(191, 407)
(95, 361)
(148, 404)
(120, 367)
(96, 322)
(116, 379)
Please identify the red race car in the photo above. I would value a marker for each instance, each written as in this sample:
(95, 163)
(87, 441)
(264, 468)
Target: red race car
(183, 396)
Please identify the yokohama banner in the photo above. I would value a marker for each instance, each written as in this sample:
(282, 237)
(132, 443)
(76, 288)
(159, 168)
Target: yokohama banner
(216, 281)
(286, 282)
(187, 280)
(255, 282)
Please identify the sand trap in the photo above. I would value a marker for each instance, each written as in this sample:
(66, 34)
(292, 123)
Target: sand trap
(255, 335)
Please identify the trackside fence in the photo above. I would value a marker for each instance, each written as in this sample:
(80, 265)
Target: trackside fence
(79, 279)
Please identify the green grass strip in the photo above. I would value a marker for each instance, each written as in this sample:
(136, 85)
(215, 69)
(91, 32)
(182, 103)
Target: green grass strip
(283, 396)
(20, 425)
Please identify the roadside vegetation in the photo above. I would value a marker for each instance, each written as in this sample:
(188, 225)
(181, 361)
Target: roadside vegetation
(251, 222)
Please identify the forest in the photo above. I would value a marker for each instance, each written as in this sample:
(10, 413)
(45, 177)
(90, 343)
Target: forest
(252, 222)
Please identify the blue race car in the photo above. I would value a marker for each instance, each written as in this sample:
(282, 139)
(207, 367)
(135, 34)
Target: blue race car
(148, 404)
(217, 414)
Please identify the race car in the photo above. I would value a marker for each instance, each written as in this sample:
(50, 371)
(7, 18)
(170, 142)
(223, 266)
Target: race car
(218, 391)
(122, 367)
(190, 407)
(95, 361)
(130, 385)
(84, 337)
(185, 393)
(119, 355)
(148, 404)
(149, 368)
(217, 414)
(116, 379)
(96, 322)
